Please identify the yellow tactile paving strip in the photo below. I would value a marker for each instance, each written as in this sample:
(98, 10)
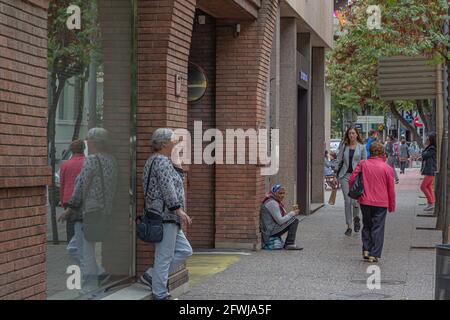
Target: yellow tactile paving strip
(202, 266)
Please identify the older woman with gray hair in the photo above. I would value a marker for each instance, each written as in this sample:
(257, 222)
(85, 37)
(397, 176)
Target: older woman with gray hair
(91, 203)
(164, 192)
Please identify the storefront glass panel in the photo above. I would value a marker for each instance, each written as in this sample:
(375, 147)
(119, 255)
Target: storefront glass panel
(90, 85)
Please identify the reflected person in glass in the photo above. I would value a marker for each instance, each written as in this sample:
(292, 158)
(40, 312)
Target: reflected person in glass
(92, 199)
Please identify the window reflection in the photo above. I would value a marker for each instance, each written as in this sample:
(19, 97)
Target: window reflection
(89, 97)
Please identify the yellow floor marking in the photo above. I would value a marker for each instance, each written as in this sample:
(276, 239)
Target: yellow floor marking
(203, 266)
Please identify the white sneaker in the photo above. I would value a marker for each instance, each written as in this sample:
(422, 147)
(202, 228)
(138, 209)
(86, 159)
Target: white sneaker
(429, 207)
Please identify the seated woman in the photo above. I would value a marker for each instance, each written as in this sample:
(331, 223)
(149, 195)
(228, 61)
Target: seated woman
(329, 167)
(334, 161)
(275, 221)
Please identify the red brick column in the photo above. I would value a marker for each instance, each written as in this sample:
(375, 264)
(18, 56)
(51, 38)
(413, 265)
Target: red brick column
(201, 185)
(243, 67)
(164, 38)
(24, 173)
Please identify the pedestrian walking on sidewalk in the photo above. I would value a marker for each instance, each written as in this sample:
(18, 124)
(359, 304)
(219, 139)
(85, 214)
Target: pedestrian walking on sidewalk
(373, 136)
(275, 221)
(403, 155)
(164, 192)
(67, 176)
(429, 168)
(378, 198)
(350, 153)
(91, 205)
(391, 156)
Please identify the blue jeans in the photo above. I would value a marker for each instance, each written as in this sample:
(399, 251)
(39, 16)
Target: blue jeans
(170, 253)
(83, 252)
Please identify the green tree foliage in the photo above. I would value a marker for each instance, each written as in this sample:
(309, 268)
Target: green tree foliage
(69, 55)
(408, 27)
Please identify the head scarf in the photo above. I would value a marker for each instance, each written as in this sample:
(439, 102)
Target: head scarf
(271, 196)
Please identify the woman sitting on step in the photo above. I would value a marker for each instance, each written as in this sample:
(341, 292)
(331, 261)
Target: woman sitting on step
(275, 221)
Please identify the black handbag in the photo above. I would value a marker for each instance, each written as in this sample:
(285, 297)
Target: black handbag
(149, 227)
(357, 189)
(96, 221)
(341, 164)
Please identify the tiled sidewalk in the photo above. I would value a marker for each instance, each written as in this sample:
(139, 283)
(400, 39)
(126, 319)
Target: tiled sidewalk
(331, 267)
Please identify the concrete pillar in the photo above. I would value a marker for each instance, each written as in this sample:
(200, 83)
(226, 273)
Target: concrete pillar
(287, 174)
(318, 129)
(327, 111)
(273, 114)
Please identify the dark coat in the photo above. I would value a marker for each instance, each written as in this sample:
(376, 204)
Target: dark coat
(429, 164)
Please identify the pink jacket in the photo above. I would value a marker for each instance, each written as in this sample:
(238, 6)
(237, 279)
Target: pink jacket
(378, 180)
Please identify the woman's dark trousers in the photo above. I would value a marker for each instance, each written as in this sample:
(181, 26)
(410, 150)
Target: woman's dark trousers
(374, 219)
(403, 165)
(292, 233)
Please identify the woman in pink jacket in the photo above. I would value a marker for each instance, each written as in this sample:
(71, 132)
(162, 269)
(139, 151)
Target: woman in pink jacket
(377, 199)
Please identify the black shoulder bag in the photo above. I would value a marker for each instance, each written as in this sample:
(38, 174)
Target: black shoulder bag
(357, 189)
(341, 164)
(95, 222)
(149, 227)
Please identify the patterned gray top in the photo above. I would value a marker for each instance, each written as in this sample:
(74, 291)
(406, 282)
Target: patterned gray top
(166, 187)
(88, 192)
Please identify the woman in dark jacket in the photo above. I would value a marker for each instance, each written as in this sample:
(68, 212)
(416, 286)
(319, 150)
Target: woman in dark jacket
(429, 168)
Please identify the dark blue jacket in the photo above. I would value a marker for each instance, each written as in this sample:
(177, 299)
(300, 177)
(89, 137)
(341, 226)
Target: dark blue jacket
(429, 164)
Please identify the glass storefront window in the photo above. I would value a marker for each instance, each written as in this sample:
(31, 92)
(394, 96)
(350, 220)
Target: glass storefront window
(91, 204)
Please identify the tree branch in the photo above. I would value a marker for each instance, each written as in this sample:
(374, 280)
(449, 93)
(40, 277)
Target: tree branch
(405, 123)
(423, 116)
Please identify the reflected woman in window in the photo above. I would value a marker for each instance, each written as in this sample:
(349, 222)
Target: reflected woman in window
(164, 192)
(92, 201)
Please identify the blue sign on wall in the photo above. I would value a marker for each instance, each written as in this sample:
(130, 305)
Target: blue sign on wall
(304, 76)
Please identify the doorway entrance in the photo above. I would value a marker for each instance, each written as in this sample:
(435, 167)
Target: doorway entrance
(302, 152)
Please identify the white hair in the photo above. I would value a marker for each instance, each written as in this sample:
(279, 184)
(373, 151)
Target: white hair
(161, 137)
(99, 136)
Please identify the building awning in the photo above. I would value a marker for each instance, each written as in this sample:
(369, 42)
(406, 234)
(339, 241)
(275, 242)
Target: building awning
(408, 78)
(240, 10)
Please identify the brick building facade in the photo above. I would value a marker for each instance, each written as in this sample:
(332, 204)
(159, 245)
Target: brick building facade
(223, 199)
(24, 174)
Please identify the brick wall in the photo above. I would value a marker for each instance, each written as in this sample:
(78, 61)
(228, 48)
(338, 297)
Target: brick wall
(201, 177)
(243, 66)
(24, 173)
(164, 37)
